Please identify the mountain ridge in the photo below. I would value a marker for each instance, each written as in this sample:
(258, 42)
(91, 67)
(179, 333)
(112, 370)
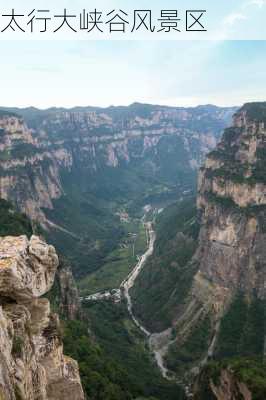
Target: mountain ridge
(79, 160)
(111, 107)
(221, 312)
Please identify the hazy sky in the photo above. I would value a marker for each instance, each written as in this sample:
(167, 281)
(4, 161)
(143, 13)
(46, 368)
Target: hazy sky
(102, 73)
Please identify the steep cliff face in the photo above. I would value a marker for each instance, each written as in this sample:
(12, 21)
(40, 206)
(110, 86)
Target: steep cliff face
(29, 175)
(66, 295)
(232, 203)
(230, 283)
(32, 363)
(120, 134)
(222, 311)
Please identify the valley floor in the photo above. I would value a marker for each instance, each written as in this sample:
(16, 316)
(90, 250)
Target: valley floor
(158, 342)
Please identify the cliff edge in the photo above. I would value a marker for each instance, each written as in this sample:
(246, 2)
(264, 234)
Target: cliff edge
(32, 363)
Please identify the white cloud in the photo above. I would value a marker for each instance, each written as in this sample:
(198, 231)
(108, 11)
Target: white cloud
(259, 3)
(231, 19)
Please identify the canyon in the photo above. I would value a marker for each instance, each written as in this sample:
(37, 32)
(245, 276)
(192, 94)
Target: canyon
(225, 286)
(70, 170)
(198, 291)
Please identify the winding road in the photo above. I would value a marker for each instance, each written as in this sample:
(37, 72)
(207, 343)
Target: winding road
(158, 342)
(127, 284)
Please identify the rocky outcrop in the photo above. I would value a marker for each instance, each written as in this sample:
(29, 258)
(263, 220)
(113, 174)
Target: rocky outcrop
(27, 268)
(225, 386)
(29, 175)
(32, 363)
(68, 296)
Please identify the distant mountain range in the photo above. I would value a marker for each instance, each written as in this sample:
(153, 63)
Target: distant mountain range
(71, 169)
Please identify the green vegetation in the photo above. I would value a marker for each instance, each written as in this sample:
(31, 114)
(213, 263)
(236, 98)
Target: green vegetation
(5, 113)
(184, 357)
(92, 199)
(22, 150)
(240, 348)
(95, 191)
(234, 172)
(17, 346)
(163, 284)
(233, 168)
(94, 231)
(252, 372)
(228, 205)
(12, 222)
(118, 263)
(225, 202)
(242, 329)
(5, 155)
(248, 370)
(261, 214)
(113, 359)
(258, 173)
(178, 217)
(227, 151)
(256, 111)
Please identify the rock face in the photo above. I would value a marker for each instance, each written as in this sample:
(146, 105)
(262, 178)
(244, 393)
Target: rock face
(232, 204)
(225, 387)
(32, 363)
(231, 255)
(29, 176)
(27, 268)
(68, 296)
(37, 147)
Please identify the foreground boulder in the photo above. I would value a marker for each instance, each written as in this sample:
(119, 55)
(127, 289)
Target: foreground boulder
(27, 267)
(32, 363)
